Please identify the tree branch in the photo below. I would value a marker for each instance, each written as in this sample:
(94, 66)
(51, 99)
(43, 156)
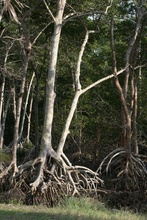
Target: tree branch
(49, 11)
(34, 41)
(74, 15)
(109, 6)
(102, 80)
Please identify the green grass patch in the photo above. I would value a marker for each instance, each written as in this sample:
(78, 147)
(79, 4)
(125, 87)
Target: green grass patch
(73, 209)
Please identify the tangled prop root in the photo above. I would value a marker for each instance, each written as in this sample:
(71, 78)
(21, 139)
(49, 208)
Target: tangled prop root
(124, 171)
(42, 186)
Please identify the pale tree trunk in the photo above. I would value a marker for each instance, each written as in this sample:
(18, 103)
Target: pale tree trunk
(25, 107)
(46, 142)
(140, 99)
(76, 97)
(135, 143)
(14, 101)
(36, 112)
(1, 110)
(29, 119)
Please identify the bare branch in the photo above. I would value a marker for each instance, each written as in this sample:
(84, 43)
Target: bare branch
(8, 7)
(20, 4)
(6, 56)
(102, 80)
(109, 6)
(140, 66)
(49, 11)
(25, 107)
(40, 33)
(72, 16)
(75, 14)
(133, 45)
(77, 74)
(78, 93)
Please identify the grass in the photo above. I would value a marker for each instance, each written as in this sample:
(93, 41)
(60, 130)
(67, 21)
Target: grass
(73, 209)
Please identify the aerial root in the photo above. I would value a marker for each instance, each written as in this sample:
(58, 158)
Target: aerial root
(6, 170)
(40, 184)
(76, 181)
(125, 170)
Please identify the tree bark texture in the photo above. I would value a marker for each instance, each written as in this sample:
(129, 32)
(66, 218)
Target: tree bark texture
(46, 141)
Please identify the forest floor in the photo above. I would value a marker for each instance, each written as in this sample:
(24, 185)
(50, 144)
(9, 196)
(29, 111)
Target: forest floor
(72, 209)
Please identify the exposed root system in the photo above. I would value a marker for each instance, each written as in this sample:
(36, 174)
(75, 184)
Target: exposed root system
(49, 187)
(123, 171)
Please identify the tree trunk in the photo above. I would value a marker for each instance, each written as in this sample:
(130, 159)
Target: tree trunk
(46, 141)
(76, 97)
(36, 112)
(25, 108)
(135, 143)
(14, 101)
(1, 110)
(130, 62)
(29, 119)
(127, 109)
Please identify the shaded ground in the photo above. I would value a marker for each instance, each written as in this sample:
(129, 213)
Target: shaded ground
(125, 200)
(73, 209)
